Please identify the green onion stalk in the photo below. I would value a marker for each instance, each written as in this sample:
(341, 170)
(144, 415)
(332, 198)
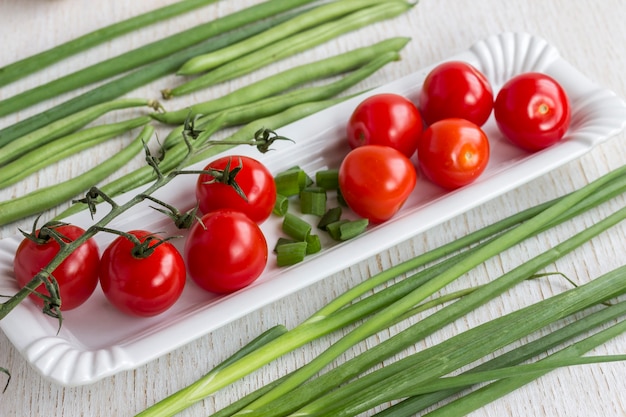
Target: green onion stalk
(340, 313)
(575, 328)
(501, 387)
(406, 376)
(418, 331)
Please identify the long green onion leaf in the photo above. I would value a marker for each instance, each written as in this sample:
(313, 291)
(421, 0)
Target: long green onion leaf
(464, 348)
(425, 327)
(413, 405)
(483, 396)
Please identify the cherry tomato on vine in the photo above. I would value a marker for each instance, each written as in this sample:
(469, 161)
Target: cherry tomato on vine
(254, 180)
(375, 181)
(456, 89)
(225, 251)
(533, 111)
(142, 284)
(453, 152)
(76, 276)
(386, 119)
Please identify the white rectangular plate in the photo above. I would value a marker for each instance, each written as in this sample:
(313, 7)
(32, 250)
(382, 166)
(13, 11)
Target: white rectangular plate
(96, 341)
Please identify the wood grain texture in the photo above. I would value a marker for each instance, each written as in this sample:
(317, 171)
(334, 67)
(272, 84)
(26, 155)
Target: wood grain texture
(589, 34)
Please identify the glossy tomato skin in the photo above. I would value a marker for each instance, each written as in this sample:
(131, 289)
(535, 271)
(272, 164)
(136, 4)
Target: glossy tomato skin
(453, 152)
(375, 181)
(225, 251)
(533, 111)
(137, 286)
(254, 179)
(456, 89)
(77, 275)
(386, 119)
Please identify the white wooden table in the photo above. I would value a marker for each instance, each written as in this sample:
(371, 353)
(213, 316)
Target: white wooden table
(589, 34)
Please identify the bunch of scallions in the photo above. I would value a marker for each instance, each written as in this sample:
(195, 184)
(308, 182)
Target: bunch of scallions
(419, 381)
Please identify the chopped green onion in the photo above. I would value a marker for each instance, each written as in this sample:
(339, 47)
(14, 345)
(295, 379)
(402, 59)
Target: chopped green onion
(331, 216)
(346, 229)
(281, 205)
(313, 201)
(313, 244)
(352, 229)
(283, 241)
(327, 179)
(295, 227)
(334, 228)
(290, 253)
(290, 182)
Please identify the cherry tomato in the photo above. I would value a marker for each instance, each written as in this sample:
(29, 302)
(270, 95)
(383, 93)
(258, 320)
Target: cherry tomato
(532, 110)
(225, 251)
(76, 276)
(453, 152)
(386, 119)
(254, 180)
(456, 89)
(376, 180)
(142, 286)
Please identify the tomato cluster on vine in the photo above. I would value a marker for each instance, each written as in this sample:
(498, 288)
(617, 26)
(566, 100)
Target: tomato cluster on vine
(143, 274)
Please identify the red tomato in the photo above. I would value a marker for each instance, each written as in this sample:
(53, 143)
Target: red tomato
(375, 181)
(76, 276)
(456, 89)
(225, 251)
(142, 286)
(453, 152)
(386, 119)
(251, 176)
(532, 111)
